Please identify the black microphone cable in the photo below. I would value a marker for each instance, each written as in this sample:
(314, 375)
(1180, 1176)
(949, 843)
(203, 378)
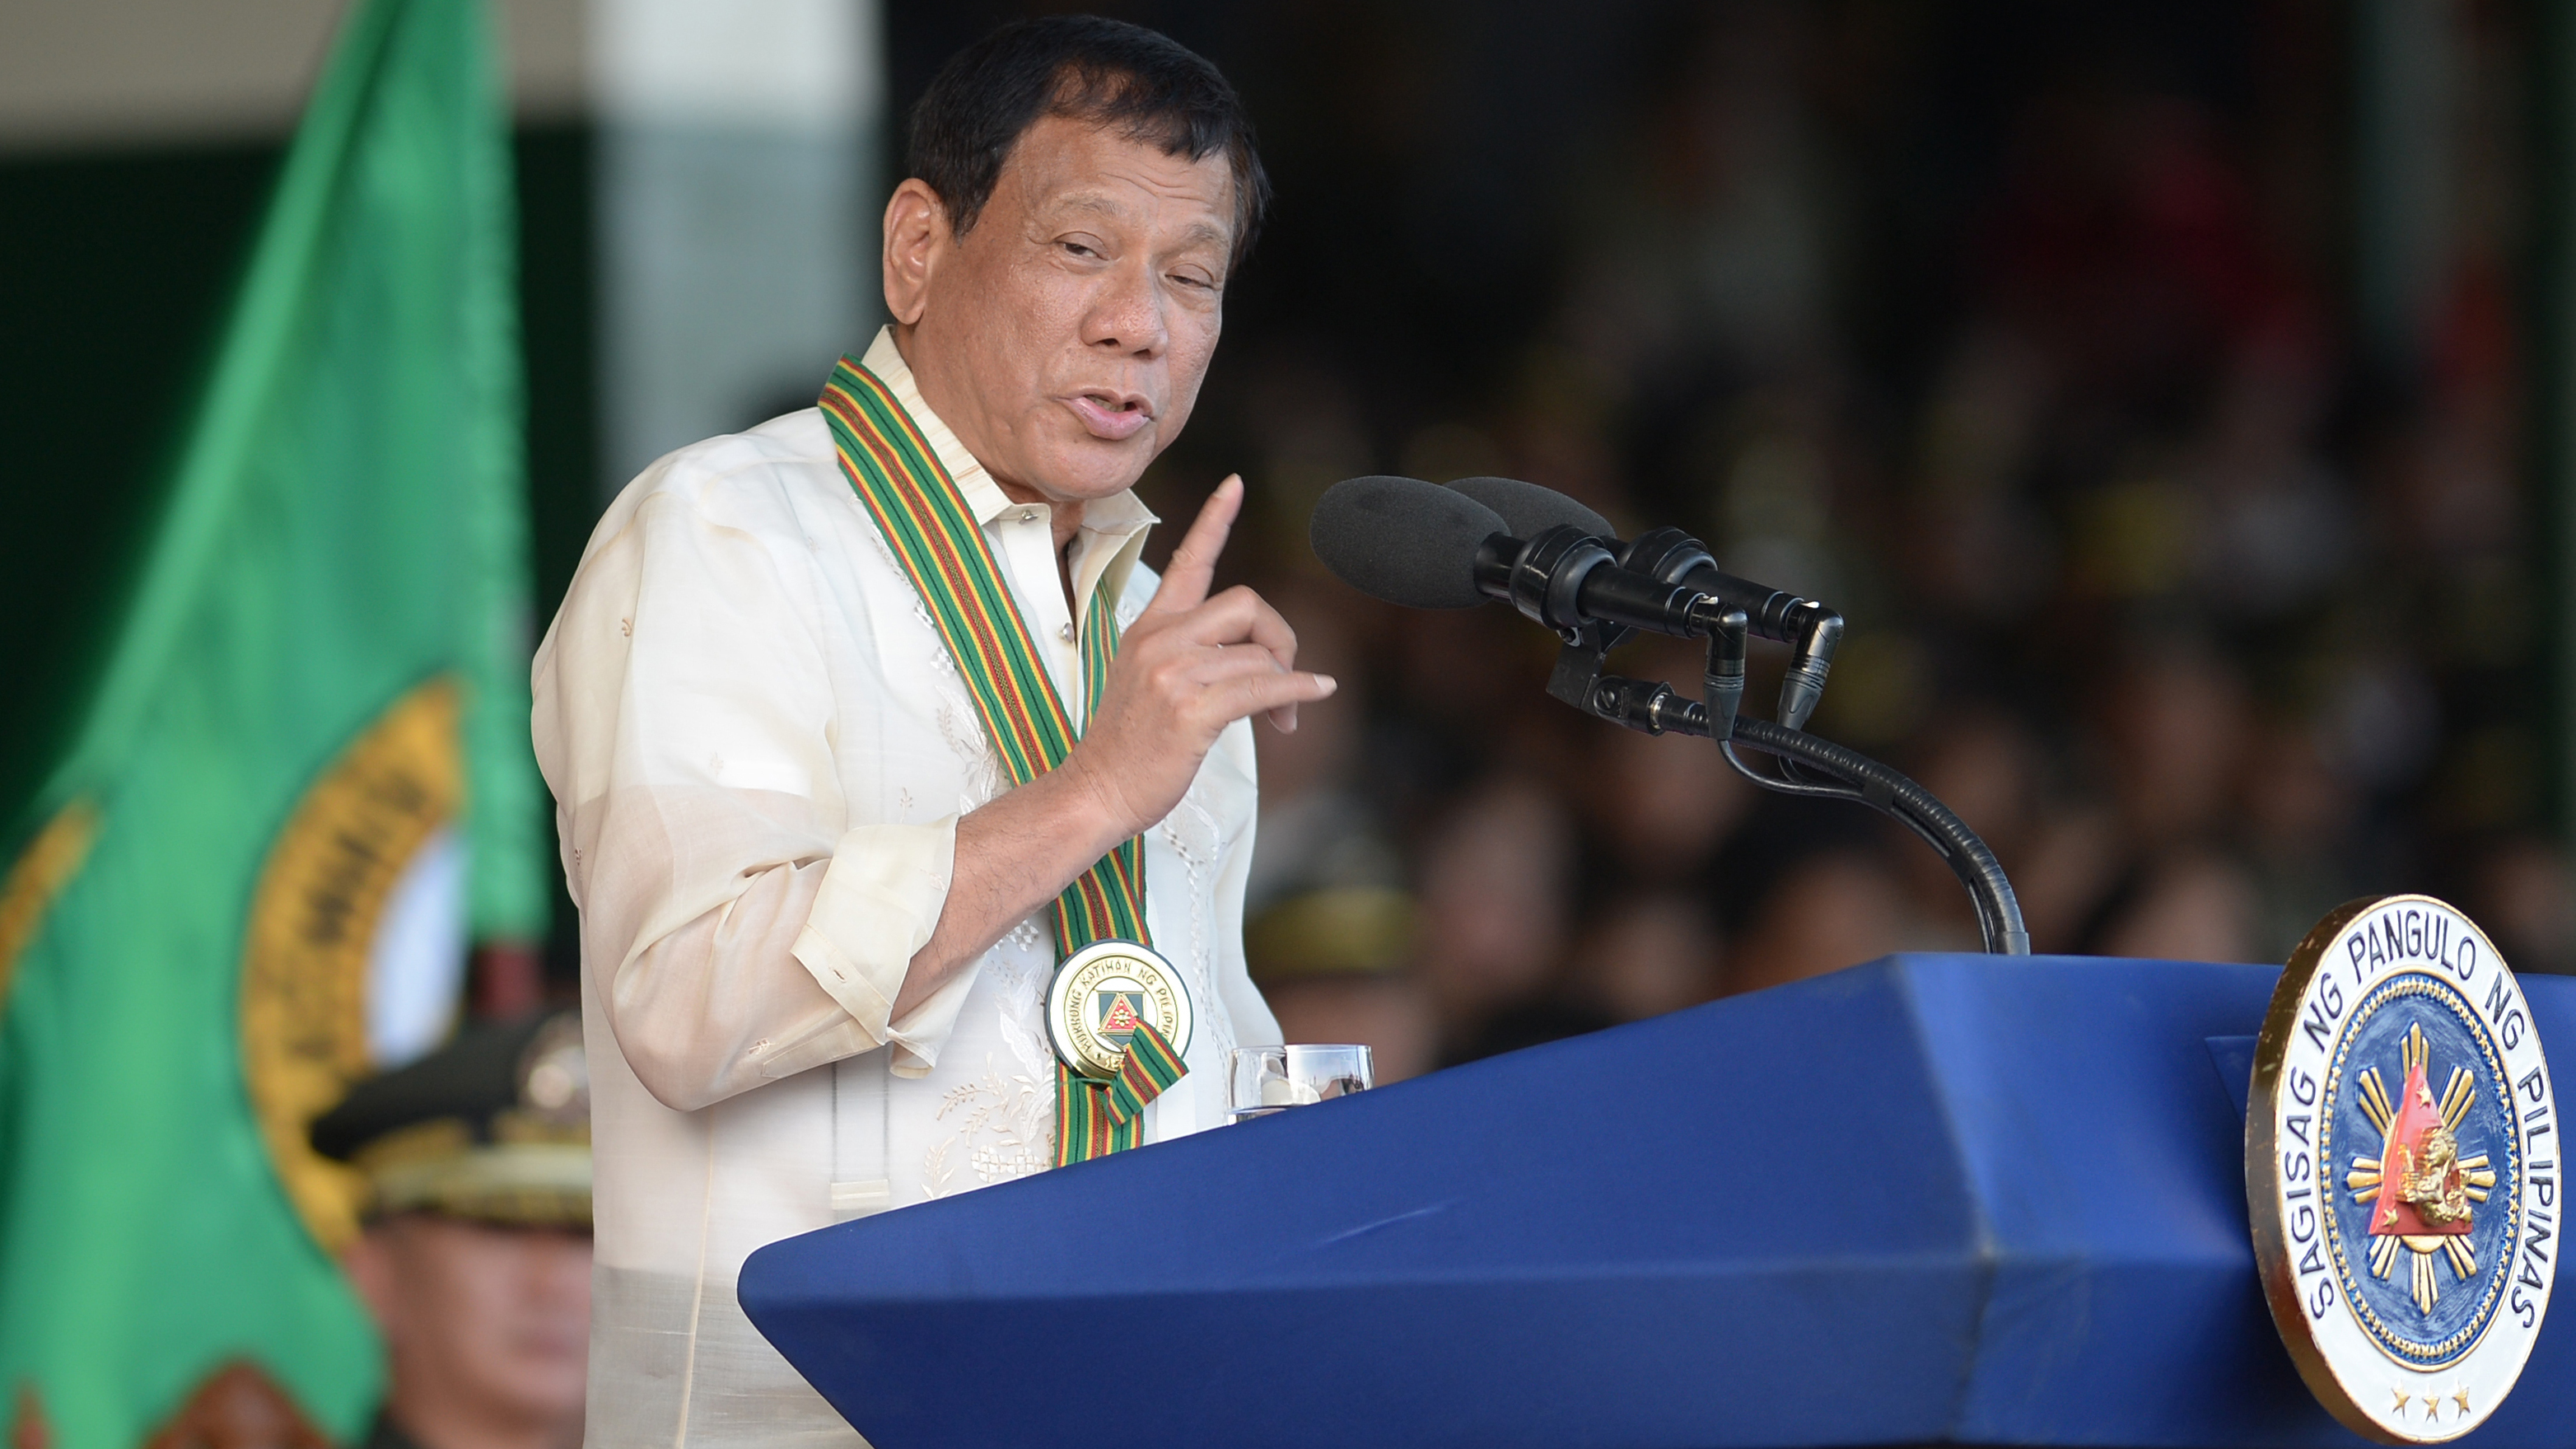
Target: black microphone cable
(1412, 543)
(1653, 707)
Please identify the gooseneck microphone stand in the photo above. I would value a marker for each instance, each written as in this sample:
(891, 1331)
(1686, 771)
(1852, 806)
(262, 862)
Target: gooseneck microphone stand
(1401, 540)
(1816, 768)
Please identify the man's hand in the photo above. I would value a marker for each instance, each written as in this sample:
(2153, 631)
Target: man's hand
(1190, 666)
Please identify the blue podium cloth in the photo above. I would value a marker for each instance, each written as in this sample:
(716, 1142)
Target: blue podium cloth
(1962, 1198)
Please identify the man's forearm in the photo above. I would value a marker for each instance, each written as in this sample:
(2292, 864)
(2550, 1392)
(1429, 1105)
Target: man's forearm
(1013, 856)
(1186, 669)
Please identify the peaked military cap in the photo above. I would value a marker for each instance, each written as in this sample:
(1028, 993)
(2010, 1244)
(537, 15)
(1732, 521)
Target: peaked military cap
(493, 1126)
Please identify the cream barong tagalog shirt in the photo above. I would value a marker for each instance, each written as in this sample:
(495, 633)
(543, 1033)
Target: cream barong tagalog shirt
(759, 749)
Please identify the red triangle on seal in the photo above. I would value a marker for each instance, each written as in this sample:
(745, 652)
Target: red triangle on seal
(1121, 1018)
(2422, 1185)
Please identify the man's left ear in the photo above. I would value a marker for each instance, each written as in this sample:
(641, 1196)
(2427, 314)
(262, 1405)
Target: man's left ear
(915, 220)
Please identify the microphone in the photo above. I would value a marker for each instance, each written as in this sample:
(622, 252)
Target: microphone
(1674, 557)
(1427, 547)
(1531, 510)
(1410, 542)
(1404, 541)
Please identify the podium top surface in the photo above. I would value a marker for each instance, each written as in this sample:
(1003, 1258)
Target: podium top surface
(1967, 1198)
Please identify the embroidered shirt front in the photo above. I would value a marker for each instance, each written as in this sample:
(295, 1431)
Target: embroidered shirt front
(759, 750)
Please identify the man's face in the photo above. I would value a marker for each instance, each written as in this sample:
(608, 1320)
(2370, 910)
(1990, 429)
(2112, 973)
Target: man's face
(482, 1316)
(1063, 337)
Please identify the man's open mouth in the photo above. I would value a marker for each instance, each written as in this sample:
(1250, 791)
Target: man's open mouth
(1114, 416)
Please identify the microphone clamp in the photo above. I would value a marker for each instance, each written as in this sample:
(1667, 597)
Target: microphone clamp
(1813, 630)
(1566, 580)
(1543, 578)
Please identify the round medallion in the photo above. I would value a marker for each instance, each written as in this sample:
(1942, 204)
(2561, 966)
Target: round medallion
(2400, 1150)
(1102, 993)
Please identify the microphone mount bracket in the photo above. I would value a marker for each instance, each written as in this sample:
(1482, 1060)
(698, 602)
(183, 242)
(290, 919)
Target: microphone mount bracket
(1823, 769)
(1812, 630)
(1568, 581)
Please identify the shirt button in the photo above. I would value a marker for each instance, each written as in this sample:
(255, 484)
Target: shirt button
(1064, 631)
(1028, 515)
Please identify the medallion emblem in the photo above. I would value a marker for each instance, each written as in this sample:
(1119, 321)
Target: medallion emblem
(1102, 994)
(2401, 1169)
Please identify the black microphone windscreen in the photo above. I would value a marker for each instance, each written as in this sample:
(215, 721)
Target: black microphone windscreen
(1531, 510)
(1403, 540)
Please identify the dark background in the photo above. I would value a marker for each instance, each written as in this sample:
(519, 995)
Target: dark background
(2037, 338)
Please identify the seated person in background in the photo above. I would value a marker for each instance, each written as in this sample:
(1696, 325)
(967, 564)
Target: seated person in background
(475, 1259)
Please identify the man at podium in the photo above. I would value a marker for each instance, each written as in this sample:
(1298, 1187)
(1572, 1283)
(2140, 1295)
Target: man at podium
(863, 722)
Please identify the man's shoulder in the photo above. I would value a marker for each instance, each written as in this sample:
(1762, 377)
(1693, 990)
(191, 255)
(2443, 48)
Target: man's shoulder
(762, 474)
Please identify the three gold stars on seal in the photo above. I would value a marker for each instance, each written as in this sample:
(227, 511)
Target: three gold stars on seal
(2433, 1403)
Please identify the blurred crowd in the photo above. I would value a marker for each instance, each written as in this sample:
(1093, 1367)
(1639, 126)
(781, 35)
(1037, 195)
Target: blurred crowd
(2203, 617)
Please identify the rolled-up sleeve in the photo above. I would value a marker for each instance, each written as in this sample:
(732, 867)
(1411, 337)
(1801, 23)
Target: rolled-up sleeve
(737, 926)
(880, 899)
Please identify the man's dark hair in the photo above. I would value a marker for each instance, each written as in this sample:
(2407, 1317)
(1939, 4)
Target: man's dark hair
(1086, 68)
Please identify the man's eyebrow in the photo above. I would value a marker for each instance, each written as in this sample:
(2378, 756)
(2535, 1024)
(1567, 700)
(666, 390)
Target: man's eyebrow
(1197, 233)
(1092, 202)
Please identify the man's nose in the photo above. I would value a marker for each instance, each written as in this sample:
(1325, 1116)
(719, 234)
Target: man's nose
(1127, 317)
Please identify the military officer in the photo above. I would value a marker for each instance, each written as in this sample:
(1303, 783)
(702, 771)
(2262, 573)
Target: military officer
(475, 1259)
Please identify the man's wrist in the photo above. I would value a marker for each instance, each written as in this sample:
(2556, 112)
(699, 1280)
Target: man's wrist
(1099, 803)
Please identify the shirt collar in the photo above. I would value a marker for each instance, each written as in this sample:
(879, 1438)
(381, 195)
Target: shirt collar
(1113, 530)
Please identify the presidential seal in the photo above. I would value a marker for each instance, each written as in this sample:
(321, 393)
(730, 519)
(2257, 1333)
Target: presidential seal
(1102, 993)
(2401, 1169)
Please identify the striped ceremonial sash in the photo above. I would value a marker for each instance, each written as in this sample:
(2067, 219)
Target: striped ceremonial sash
(900, 481)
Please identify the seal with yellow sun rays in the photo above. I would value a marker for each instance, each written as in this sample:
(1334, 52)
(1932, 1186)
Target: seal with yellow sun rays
(2403, 1236)
(2426, 1205)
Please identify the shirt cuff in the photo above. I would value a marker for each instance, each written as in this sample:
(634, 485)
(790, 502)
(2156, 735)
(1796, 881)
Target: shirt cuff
(880, 900)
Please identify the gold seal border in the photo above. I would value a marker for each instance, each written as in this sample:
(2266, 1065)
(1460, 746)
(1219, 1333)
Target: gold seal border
(2272, 1257)
(2273, 1261)
(1074, 1042)
(1161, 998)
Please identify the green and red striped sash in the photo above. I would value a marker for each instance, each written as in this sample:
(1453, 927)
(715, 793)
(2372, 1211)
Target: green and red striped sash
(898, 477)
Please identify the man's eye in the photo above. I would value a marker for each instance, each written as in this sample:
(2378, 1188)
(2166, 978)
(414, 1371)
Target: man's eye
(1078, 249)
(1188, 280)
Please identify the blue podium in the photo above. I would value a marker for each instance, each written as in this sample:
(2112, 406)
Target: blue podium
(1936, 1198)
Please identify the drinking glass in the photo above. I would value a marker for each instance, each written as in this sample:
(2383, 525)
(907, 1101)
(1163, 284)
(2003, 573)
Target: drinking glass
(1261, 1080)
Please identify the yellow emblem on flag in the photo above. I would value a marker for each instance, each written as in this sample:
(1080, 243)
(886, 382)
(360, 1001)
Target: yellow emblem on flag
(313, 920)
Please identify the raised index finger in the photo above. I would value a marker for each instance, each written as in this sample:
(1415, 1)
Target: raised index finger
(1185, 583)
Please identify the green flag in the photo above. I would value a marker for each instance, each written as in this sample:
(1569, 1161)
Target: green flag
(312, 729)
